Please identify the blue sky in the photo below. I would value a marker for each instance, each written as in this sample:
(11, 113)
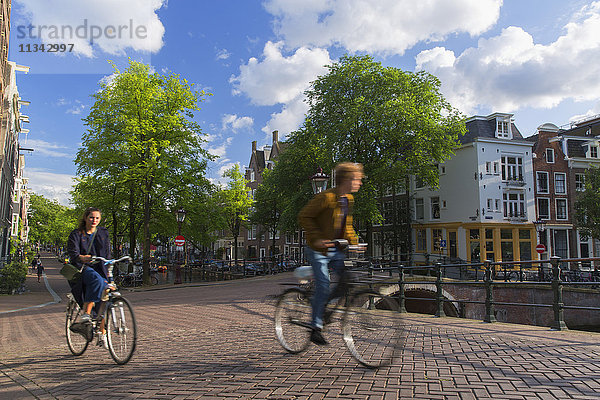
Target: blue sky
(537, 59)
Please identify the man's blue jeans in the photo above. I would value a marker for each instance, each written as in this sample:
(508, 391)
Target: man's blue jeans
(320, 265)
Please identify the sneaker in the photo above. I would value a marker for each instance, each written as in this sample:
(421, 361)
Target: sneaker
(317, 337)
(85, 318)
(102, 340)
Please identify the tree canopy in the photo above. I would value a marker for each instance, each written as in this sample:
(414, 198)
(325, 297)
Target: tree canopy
(49, 222)
(587, 205)
(395, 123)
(142, 154)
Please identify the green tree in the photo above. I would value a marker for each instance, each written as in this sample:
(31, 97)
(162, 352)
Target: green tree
(235, 203)
(395, 123)
(587, 205)
(272, 203)
(143, 146)
(49, 222)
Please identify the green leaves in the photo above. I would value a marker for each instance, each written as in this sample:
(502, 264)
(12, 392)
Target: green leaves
(587, 205)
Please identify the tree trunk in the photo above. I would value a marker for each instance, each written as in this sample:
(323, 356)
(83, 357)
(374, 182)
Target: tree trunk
(132, 230)
(146, 253)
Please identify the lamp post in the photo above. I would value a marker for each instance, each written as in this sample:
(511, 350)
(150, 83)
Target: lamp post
(540, 226)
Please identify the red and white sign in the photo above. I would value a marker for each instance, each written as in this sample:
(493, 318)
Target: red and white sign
(540, 248)
(179, 240)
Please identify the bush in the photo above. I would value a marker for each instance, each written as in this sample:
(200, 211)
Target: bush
(12, 276)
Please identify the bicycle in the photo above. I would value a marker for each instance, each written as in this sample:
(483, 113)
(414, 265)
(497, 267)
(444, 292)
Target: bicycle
(121, 329)
(370, 321)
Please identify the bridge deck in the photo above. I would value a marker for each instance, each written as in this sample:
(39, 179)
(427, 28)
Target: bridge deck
(216, 341)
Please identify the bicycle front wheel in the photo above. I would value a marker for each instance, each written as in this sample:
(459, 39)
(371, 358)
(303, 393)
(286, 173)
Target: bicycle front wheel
(292, 320)
(371, 328)
(121, 330)
(76, 339)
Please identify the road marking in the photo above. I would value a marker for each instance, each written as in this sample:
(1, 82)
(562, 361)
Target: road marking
(50, 290)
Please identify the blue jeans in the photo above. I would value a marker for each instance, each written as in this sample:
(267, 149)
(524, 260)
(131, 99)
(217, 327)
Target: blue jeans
(320, 265)
(93, 285)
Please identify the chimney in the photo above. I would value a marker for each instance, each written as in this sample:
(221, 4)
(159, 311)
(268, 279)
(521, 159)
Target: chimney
(275, 137)
(254, 146)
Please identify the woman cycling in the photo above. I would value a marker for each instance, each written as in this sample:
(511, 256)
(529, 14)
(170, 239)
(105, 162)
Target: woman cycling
(86, 241)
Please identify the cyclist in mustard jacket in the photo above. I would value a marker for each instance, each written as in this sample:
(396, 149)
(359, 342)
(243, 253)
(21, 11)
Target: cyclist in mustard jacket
(325, 218)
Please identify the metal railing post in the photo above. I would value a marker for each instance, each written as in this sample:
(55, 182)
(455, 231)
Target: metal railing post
(401, 296)
(557, 287)
(439, 299)
(489, 299)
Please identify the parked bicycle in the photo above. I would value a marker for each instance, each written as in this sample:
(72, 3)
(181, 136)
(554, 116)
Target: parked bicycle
(121, 330)
(136, 278)
(370, 321)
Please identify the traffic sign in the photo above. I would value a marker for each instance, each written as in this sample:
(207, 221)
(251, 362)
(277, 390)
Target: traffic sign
(540, 248)
(443, 244)
(179, 240)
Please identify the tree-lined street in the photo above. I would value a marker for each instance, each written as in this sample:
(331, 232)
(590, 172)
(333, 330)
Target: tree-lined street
(216, 341)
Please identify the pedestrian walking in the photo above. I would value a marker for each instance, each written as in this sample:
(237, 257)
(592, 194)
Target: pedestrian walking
(33, 265)
(40, 269)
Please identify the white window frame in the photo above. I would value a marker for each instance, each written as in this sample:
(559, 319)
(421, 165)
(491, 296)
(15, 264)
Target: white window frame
(14, 229)
(490, 204)
(537, 184)
(539, 208)
(502, 128)
(593, 151)
(548, 156)
(557, 174)
(566, 208)
(496, 168)
(488, 167)
(579, 183)
(435, 200)
(252, 176)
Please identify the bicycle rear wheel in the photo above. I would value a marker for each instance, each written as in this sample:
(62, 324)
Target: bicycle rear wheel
(292, 320)
(121, 330)
(77, 341)
(371, 328)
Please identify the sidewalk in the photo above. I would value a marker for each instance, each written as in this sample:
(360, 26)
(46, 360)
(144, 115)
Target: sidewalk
(37, 293)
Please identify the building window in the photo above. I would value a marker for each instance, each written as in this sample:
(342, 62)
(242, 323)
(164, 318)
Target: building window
(252, 176)
(497, 205)
(542, 182)
(15, 225)
(593, 152)
(474, 245)
(561, 208)
(419, 182)
(514, 205)
(421, 236)
(550, 156)
(580, 182)
(543, 208)
(435, 208)
(503, 129)
(525, 244)
(488, 167)
(496, 169)
(506, 245)
(436, 238)
(442, 169)
(512, 168)
(490, 204)
(560, 184)
(419, 209)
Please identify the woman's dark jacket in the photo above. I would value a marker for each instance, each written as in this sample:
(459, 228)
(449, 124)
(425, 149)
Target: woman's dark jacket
(77, 245)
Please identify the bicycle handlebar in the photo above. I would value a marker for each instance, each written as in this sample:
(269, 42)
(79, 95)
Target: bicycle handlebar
(113, 261)
(343, 243)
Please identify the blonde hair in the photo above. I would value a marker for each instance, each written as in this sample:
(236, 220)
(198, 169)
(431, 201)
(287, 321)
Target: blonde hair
(346, 170)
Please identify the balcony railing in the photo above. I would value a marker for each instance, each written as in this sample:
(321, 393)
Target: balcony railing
(515, 181)
(516, 216)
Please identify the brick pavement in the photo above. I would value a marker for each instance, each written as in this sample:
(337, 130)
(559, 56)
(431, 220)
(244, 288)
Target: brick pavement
(216, 342)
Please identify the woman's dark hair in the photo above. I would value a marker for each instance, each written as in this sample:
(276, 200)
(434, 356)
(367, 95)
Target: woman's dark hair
(86, 213)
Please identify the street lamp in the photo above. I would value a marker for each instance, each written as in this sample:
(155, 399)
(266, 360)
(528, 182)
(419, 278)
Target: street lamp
(180, 218)
(319, 181)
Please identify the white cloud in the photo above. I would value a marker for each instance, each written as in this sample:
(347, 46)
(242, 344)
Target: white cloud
(223, 54)
(289, 119)
(234, 123)
(76, 109)
(381, 26)
(221, 149)
(50, 185)
(279, 79)
(510, 71)
(136, 26)
(49, 149)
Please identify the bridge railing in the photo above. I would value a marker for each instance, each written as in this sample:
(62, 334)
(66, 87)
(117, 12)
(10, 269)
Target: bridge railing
(491, 275)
